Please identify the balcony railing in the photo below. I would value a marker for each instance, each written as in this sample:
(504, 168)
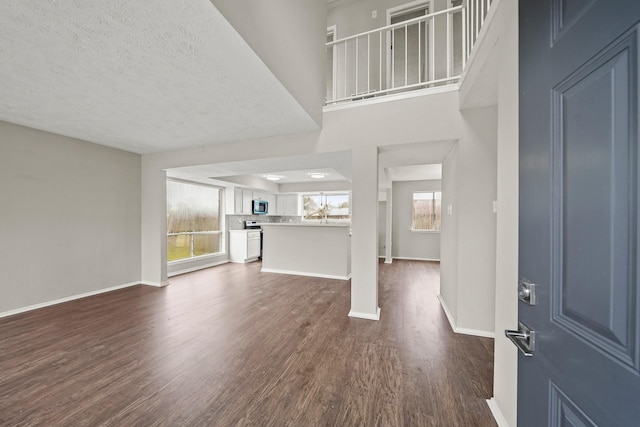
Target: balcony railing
(192, 244)
(422, 52)
(476, 12)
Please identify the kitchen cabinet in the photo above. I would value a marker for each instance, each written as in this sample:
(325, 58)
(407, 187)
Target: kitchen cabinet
(242, 202)
(287, 204)
(271, 199)
(247, 202)
(281, 204)
(292, 204)
(244, 245)
(259, 195)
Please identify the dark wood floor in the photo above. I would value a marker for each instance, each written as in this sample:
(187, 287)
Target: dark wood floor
(232, 346)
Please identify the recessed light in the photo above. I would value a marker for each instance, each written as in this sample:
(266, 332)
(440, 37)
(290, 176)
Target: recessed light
(317, 175)
(273, 177)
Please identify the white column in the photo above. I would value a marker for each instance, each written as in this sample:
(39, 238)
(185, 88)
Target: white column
(154, 226)
(364, 240)
(388, 253)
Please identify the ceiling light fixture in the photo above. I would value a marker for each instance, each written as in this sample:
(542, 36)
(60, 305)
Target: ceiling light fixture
(273, 177)
(317, 175)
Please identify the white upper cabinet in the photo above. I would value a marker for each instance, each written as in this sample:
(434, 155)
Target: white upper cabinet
(271, 199)
(287, 204)
(240, 202)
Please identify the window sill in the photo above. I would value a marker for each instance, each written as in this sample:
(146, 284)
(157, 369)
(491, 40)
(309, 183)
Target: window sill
(426, 231)
(195, 258)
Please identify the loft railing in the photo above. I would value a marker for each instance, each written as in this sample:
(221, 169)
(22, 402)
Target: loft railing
(476, 12)
(422, 52)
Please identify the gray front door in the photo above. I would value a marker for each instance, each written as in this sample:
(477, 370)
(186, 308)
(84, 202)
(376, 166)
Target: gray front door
(579, 212)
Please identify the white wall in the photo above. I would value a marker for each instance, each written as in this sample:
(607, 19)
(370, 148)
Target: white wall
(467, 282)
(421, 119)
(303, 187)
(382, 227)
(70, 221)
(476, 221)
(353, 17)
(449, 233)
(289, 36)
(406, 243)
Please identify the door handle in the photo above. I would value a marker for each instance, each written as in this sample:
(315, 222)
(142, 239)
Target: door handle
(524, 338)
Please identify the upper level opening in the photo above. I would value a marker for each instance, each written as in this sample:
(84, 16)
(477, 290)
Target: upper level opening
(418, 48)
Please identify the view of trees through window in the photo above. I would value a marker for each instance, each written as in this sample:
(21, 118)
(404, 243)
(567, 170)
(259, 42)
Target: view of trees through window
(426, 212)
(193, 220)
(329, 207)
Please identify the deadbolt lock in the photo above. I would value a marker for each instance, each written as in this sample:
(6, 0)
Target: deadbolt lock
(527, 292)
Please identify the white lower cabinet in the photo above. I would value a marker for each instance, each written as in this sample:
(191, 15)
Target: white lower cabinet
(244, 245)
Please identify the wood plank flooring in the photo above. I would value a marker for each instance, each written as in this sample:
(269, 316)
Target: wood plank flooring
(230, 346)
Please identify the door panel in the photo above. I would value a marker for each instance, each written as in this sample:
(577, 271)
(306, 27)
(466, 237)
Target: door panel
(592, 164)
(579, 212)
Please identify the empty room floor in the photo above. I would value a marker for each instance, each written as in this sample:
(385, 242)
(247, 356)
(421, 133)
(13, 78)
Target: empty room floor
(233, 346)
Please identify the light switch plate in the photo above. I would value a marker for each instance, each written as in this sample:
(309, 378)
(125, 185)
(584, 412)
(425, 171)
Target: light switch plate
(374, 14)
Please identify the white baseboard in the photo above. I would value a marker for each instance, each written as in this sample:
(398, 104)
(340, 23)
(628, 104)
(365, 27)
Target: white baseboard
(452, 322)
(200, 267)
(416, 259)
(497, 413)
(66, 299)
(367, 316)
(465, 331)
(300, 273)
(154, 284)
(475, 332)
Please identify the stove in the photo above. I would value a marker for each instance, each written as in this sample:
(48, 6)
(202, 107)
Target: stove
(252, 225)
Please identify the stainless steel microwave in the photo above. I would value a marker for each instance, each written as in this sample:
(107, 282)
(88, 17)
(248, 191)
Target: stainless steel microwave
(260, 207)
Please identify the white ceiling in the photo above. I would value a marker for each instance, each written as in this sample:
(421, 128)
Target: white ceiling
(415, 172)
(405, 162)
(140, 76)
(300, 176)
(412, 162)
(293, 169)
(156, 76)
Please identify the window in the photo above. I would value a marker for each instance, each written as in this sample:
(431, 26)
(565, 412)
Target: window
(326, 207)
(193, 220)
(426, 211)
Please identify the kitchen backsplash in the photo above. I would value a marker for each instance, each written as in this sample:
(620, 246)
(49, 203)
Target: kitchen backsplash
(236, 222)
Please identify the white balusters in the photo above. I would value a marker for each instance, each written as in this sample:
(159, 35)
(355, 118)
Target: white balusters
(461, 36)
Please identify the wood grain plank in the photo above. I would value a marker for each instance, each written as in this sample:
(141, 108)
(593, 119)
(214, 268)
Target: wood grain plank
(233, 346)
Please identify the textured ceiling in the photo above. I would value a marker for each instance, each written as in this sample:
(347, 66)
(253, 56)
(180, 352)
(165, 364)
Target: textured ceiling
(140, 76)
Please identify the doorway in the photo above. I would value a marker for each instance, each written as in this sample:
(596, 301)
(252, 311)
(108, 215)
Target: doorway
(409, 47)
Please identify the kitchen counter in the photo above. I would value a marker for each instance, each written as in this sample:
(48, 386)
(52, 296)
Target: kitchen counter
(316, 250)
(304, 224)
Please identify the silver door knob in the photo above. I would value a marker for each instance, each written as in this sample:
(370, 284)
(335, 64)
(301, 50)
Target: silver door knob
(524, 338)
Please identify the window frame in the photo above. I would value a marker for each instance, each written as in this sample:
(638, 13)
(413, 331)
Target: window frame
(325, 194)
(434, 214)
(221, 221)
